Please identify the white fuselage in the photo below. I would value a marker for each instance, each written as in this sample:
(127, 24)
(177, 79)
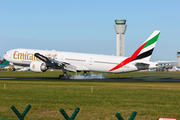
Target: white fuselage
(82, 61)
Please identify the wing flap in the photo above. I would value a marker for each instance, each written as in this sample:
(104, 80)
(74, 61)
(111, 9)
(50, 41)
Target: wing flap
(70, 68)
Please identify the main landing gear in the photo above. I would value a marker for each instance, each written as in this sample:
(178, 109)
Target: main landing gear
(64, 76)
(86, 73)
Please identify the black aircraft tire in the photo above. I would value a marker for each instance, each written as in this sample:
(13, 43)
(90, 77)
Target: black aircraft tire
(64, 76)
(61, 76)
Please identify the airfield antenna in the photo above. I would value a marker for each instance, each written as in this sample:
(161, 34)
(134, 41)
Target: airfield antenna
(120, 28)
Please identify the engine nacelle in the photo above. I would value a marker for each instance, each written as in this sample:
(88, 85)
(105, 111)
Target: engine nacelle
(38, 66)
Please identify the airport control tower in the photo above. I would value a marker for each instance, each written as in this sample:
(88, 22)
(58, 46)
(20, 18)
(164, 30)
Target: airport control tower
(120, 28)
(178, 55)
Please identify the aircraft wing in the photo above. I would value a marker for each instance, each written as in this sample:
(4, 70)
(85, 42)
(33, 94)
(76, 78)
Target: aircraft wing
(56, 64)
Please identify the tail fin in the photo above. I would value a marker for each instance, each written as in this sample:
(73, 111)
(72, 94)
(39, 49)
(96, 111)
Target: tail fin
(145, 51)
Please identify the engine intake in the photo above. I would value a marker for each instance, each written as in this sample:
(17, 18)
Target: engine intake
(38, 66)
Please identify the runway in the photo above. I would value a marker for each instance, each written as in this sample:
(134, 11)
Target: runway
(103, 80)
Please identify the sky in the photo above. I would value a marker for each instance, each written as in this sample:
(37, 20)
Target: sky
(87, 26)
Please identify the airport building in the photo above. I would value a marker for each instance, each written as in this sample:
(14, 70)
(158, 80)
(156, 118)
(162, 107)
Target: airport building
(120, 27)
(178, 55)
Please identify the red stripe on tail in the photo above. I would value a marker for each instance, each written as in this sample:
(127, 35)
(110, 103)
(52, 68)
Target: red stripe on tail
(129, 59)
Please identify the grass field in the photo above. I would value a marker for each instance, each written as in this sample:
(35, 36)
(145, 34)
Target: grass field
(149, 99)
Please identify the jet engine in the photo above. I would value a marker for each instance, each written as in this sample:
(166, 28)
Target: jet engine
(38, 66)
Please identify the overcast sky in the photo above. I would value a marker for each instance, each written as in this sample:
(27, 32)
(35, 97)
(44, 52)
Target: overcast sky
(87, 26)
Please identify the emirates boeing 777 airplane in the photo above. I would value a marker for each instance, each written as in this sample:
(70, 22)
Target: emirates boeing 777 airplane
(42, 60)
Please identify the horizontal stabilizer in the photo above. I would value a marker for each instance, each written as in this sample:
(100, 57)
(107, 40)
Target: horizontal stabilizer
(142, 65)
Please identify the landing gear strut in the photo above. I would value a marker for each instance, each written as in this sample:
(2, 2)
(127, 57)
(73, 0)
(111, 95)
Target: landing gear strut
(64, 76)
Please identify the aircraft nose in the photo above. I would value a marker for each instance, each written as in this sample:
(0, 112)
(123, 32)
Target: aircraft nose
(6, 55)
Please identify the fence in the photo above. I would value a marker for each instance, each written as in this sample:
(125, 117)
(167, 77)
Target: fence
(22, 116)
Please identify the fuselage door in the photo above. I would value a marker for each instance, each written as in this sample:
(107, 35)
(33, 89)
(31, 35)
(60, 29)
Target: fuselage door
(91, 61)
(62, 58)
